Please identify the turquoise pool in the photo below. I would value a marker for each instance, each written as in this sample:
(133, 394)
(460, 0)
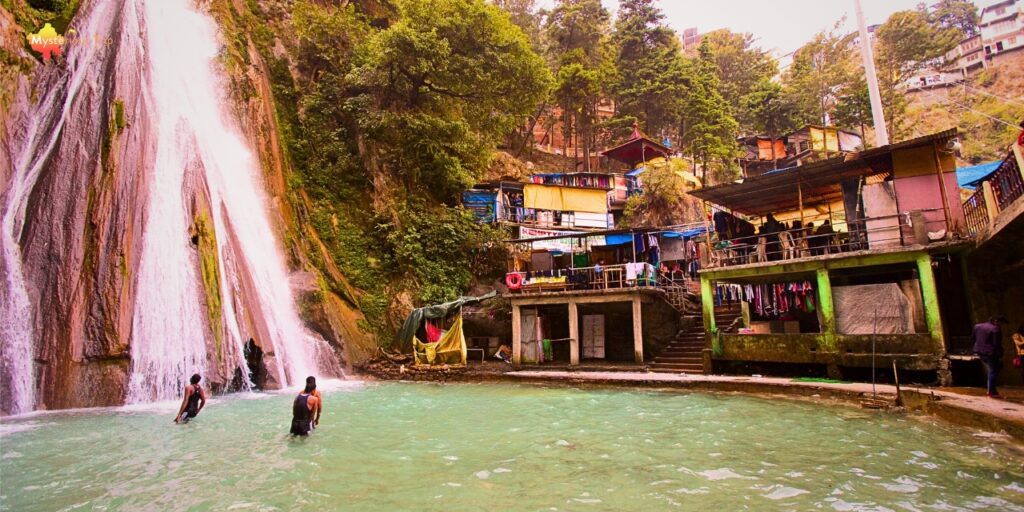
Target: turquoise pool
(395, 446)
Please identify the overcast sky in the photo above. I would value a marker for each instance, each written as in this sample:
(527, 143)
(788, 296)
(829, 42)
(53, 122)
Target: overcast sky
(781, 25)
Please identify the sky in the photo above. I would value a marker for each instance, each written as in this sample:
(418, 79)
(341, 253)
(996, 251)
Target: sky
(780, 26)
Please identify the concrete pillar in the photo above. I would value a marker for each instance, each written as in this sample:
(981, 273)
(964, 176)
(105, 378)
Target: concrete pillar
(991, 207)
(638, 331)
(517, 336)
(574, 334)
(930, 294)
(826, 310)
(707, 301)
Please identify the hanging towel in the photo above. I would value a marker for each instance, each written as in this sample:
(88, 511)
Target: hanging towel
(433, 332)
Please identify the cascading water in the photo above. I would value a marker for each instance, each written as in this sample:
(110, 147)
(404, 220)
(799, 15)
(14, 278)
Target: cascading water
(180, 160)
(195, 133)
(47, 122)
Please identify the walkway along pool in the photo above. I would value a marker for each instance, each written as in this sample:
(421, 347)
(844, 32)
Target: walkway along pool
(396, 446)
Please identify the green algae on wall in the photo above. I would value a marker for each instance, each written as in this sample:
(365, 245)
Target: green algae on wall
(206, 241)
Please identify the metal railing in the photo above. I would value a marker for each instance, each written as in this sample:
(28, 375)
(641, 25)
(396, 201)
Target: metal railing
(976, 212)
(1007, 183)
(590, 278)
(888, 231)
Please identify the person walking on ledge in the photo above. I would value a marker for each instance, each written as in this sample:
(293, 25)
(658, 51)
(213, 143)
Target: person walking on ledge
(302, 410)
(319, 401)
(194, 401)
(988, 345)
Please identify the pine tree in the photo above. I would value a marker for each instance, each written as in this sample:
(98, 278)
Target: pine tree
(708, 129)
(577, 33)
(648, 64)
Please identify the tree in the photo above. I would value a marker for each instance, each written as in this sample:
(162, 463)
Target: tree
(440, 87)
(708, 129)
(959, 14)
(820, 69)
(853, 108)
(741, 67)
(647, 65)
(768, 110)
(577, 32)
(907, 43)
(525, 15)
(665, 201)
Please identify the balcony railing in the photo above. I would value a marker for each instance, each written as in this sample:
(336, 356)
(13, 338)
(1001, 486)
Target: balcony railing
(553, 218)
(629, 275)
(864, 234)
(994, 195)
(976, 212)
(1007, 183)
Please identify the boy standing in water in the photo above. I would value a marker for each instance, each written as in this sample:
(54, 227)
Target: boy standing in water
(302, 410)
(194, 401)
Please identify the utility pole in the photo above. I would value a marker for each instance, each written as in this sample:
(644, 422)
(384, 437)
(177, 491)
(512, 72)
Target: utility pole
(881, 133)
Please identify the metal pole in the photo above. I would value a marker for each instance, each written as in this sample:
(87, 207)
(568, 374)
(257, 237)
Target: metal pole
(874, 329)
(881, 133)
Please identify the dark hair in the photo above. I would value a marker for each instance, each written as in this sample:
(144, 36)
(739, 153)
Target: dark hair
(195, 378)
(1020, 329)
(311, 380)
(310, 386)
(998, 319)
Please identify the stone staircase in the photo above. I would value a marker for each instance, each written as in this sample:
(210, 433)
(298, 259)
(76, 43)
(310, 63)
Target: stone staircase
(685, 354)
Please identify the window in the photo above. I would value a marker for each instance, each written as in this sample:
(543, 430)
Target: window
(1012, 40)
(999, 46)
(988, 50)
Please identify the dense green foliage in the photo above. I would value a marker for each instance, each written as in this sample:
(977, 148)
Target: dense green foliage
(709, 130)
(386, 121)
(648, 65)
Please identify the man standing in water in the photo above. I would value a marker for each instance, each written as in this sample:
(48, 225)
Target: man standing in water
(302, 410)
(194, 401)
(319, 401)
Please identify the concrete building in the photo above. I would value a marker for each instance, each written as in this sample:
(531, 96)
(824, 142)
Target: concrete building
(878, 281)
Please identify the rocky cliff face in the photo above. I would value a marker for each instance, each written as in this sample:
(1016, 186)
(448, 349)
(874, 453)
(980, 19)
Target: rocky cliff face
(78, 146)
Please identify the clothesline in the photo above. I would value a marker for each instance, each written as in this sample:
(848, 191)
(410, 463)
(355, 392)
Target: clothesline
(769, 300)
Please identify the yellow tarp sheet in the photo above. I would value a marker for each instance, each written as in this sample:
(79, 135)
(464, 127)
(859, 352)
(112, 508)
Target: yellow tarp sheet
(585, 200)
(826, 139)
(565, 199)
(450, 349)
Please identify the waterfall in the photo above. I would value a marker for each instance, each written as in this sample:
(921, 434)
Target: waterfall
(196, 133)
(47, 123)
(193, 160)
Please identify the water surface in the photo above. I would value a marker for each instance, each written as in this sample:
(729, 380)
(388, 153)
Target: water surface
(503, 447)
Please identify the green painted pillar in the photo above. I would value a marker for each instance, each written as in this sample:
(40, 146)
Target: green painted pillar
(826, 311)
(707, 300)
(930, 294)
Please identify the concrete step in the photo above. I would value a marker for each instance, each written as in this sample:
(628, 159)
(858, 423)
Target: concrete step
(680, 367)
(676, 370)
(680, 360)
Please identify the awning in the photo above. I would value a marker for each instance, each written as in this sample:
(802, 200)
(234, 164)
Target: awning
(818, 182)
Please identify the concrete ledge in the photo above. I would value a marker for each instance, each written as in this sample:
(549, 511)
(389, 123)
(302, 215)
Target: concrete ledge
(978, 412)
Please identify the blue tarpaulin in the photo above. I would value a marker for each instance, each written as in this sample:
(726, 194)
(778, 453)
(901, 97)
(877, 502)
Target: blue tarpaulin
(969, 177)
(623, 238)
(636, 172)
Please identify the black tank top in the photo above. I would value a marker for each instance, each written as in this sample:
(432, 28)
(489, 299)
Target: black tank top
(193, 401)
